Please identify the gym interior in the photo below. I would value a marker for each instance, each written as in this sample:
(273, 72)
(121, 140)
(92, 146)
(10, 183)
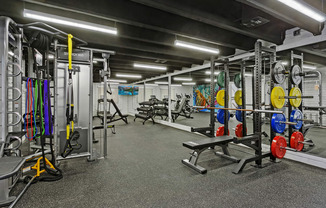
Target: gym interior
(143, 103)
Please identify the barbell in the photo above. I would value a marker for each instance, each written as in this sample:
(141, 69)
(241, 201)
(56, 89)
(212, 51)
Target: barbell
(278, 97)
(240, 109)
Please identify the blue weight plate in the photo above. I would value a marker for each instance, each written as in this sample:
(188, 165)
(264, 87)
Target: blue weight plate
(220, 116)
(296, 116)
(238, 115)
(277, 124)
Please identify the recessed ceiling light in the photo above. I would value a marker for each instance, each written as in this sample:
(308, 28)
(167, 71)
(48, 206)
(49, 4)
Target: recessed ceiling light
(162, 83)
(305, 9)
(182, 79)
(196, 47)
(128, 75)
(146, 66)
(209, 72)
(189, 83)
(68, 21)
(151, 85)
(117, 80)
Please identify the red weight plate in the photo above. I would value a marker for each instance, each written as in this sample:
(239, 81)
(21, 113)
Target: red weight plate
(278, 147)
(296, 139)
(238, 130)
(220, 131)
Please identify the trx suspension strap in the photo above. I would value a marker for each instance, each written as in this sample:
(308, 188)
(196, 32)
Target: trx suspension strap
(71, 135)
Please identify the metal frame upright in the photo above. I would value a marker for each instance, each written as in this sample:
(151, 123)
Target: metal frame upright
(10, 105)
(255, 141)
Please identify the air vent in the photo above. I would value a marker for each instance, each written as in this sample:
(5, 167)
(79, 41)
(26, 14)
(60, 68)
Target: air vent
(254, 22)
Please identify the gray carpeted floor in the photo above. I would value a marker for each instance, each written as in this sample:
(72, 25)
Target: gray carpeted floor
(144, 169)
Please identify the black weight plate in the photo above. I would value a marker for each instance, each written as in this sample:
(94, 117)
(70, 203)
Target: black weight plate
(278, 72)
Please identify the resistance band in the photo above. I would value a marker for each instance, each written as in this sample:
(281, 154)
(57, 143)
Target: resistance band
(41, 103)
(47, 110)
(71, 135)
(30, 111)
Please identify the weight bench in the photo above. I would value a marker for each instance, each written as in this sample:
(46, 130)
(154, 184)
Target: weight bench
(201, 145)
(111, 117)
(145, 117)
(10, 168)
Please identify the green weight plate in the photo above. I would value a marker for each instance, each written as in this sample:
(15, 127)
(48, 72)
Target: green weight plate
(237, 80)
(220, 79)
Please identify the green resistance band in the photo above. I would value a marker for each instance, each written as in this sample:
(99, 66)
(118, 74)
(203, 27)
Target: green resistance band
(36, 101)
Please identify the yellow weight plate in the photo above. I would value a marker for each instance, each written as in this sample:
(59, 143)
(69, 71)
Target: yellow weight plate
(277, 97)
(295, 91)
(238, 97)
(220, 97)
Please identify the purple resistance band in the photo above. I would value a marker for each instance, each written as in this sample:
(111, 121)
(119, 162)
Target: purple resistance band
(47, 110)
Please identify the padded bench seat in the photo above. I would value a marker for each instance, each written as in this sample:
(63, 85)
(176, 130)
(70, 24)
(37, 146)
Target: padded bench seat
(201, 145)
(144, 109)
(146, 103)
(101, 115)
(208, 142)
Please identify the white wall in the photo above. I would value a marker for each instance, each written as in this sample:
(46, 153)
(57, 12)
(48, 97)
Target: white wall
(310, 88)
(124, 102)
